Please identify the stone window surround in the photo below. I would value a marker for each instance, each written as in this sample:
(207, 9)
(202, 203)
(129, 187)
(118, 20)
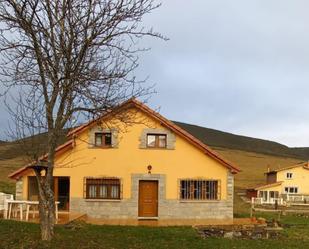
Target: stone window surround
(170, 138)
(98, 129)
(199, 201)
(167, 208)
(102, 200)
(161, 178)
(163, 202)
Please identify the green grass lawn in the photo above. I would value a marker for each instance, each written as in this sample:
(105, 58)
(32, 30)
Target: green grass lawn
(7, 187)
(24, 235)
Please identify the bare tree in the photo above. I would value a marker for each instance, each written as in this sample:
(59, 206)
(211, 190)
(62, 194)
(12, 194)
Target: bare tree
(66, 58)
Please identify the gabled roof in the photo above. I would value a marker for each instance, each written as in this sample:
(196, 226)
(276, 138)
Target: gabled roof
(268, 185)
(163, 121)
(305, 165)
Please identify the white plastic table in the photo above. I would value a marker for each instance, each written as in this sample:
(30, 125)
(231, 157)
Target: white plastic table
(15, 202)
(36, 203)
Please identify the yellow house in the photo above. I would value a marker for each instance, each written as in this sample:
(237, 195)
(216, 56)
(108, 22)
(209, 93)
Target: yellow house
(145, 167)
(289, 183)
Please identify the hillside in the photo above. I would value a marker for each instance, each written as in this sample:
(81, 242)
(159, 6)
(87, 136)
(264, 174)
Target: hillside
(28, 146)
(252, 155)
(253, 165)
(211, 137)
(215, 138)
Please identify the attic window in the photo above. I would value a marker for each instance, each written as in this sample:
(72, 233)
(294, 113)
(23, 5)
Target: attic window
(103, 139)
(289, 175)
(156, 141)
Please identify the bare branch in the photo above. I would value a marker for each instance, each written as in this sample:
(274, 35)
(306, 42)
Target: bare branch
(66, 59)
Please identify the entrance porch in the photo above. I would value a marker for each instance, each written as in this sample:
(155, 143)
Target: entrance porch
(61, 191)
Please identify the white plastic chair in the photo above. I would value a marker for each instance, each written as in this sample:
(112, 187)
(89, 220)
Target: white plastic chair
(3, 203)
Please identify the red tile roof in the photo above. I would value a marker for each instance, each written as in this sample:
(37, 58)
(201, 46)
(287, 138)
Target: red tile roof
(165, 122)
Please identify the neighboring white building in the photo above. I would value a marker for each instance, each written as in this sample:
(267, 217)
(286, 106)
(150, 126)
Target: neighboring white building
(286, 184)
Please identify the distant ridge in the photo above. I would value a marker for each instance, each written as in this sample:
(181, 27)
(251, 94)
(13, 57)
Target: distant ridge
(216, 138)
(211, 137)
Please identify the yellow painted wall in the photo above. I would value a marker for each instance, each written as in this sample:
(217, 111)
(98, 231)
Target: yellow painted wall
(300, 179)
(274, 188)
(185, 161)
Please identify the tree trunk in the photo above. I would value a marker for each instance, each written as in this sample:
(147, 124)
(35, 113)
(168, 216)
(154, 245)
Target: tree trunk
(47, 213)
(46, 195)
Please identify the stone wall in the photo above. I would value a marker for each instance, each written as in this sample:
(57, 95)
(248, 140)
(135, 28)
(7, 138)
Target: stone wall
(19, 189)
(167, 209)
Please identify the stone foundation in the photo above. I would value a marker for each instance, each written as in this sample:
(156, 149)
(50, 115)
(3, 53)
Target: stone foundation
(167, 209)
(19, 190)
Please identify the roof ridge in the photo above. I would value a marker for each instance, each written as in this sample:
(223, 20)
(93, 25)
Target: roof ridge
(303, 163)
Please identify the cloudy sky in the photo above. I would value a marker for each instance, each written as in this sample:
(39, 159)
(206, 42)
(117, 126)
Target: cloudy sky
(239, 66)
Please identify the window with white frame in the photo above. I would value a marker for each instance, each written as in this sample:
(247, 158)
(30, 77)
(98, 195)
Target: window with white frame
(263, 195)
(291, 190)
(289, 175)
(273, 194)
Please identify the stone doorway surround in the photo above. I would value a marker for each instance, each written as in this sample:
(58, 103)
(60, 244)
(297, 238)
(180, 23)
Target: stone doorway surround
(160, 178)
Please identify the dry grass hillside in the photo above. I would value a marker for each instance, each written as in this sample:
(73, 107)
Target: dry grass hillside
(253, 165)
(247, 153)
(9, 163)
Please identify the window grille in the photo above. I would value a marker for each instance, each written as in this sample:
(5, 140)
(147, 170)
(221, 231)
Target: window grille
(102, 188)
(191, 189)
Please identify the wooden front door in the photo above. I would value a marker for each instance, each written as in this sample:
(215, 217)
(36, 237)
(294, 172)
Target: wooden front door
(148, 199)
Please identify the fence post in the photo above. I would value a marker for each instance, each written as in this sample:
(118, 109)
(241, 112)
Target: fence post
(252, 207)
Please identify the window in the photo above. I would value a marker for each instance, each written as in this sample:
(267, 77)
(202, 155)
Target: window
(289, 175)
(102, 188)
(263, 195)
(291, 190)
(103, 139)
(199, 190)
(156, 140)
(273, 194)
